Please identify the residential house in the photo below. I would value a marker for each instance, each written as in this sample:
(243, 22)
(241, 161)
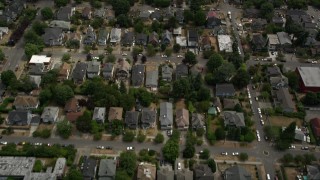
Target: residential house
(165, 173)
(167, 13)
(53, 36)
(128, 39)
(146, 171)
(184, 174)
(50, 114)
(230, 103)
(315, 126)
(12, 11)
(251, 13)
(64, 25)
(132, 119)
(259, 43)
(89, 168)
(182, 119)
(148, 118)
(202, 172)
(177, 31)
(107, 169)
(23, 102)
(284, 39)
(152, 79)
(258, 24)
(64, 72)
(225, 43)
(279, 82)
(273, 42)
(144, 15)
(197, 121)
(115, 35)
(123, 69)
(299, 135)
(284, 100)
(182, 71)
(313, 172)
(36, 80)
(108, 71)
(236, 172)
(166, 38)
(141, 39)
(219, 30)
(115, 113)
(102, 37)
(206, 44)
(180, 16)
(273, 71)
(166, 116)
(19, 118)
(37, 69)
(182, 41)
(74, 37)
(101, 13)
(86, 13)
(65, 13)
(137, 77)
(166, 73)
(72, 105)
(233, 118)
(90, 37)
(225, 90)
(93, 69)
(156, 15)
(99, 114)
(3, 31)
(279, 21)
(153, 39)
(193, 38)
(79, 72)
(213, 21)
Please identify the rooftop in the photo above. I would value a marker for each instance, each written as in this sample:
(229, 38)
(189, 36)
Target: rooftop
(310, 76)
(16, 166)
(39, 59)
(225, 43)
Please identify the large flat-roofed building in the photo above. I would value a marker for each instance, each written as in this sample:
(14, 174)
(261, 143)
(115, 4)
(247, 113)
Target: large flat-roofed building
(16, 166)
(40, 59)
(225, 43)
(309, 78)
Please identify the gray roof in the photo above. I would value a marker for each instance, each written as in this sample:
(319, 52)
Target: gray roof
(64, 13)
(35, 79)
(100, 12)
(153, 38)
(313, 172)
(297, 12)
(93, 66)
(310, 76)
(132, 119)
(299, 135)
(284, 38)
(89, 167)
(279, 81)
(144, 14)
(152, 78)
(273, 71)
(115, 35)
(258, 24)
(148, 117)
(197, 120)
(103, 34)
(181, 70)
(99, 113)
(167, 37)
(79, 72)
(49, 112)
(203, 172)
(278, 20)
(166, 72)
(128, 38)
(107, 168)
(165, 173)
(50, 34)
(19, 117)
(36, 69)
(60, 24)
(107, 70)
(225, 90)
(251, 13)
(259, 41)
(90, 37)
(230, 103)
(285, 99)
(184, 174)
(237, 173)
(166, 116)
(180, 15)
(137, 77)
(141, 39)
(193, 36)
(156, 15)
(233, 118)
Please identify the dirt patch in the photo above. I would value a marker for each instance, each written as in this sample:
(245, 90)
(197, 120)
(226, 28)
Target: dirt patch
(291, 173)
(232, 144)
(45, 126)
(103, 151)
(151, 132)
(283, 121)
(180, 104)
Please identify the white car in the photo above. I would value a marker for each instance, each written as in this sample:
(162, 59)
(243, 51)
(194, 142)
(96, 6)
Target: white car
(95, 58)
(257, 131)
(250, 101)
(224, 153)
(257, 99)
(179, 56)
(262, 122)
(259, 110)
(259, 139)
(129, 148)
(235, 154)
(140, 54)
(3, 142)
(179, 166)
(100, 147)
(164, 56)
(260, 115)
(124, 54)
(37, 144)
(292, 147)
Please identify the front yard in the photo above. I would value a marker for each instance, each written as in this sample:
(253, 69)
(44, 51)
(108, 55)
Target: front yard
(283, 121)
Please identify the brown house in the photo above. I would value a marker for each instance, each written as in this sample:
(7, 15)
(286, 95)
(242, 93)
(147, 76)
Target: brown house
(72, 106)
(115, 113)
(26, 102)
(64, 72)
(182, 119)
(86, 13)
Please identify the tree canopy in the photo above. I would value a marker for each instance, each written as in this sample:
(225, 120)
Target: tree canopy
(64, 129)
(128, 160)
(47, 13)
(190, 58)
(63, 93)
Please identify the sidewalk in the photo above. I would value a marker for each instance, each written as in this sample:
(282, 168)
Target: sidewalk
(239, 162)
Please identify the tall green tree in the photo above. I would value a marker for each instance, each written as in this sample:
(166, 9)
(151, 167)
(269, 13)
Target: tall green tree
(47, 13)
(241, 79)
(190, 58)
(7, 77)
(73, 174)
(60, 3)
(64, 129)
(200, 18)
(128, 161)
(83, 123)
(214, 62)
(63, 93)
(2, 55)
(120, 7)
(181, 88)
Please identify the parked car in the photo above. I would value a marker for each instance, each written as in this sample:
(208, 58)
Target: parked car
(224, 153)
(100, 147)
(235, 154)
(305, 148)
(130, 148)
(3, 142)
(179, 166)
(292, 147)
(108, 147)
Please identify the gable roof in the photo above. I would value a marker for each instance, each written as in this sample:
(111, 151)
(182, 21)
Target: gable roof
(49, 112)
(93, 66)
(128, 38)
(203, 171)
(115, 35)
(273, 71)
(225, 90)
(230, 103)
(233, 118)
(153, 38)
(72, 105)
(285, 99)
(167, 36)
(152, 78)
(99, 113)
(313, 172)
(22, 117)
(103, 34)
(146, 171)
(50, 34)
(166, 71)
(79, 71)
(182, 70)
(310, 76)
(64, 13)
(89, 167)
(115, 113)
(132, 119)
(166, 116)
(182, 117)
(165, 173)
(60, 24)
(184, 174)
(197, 120)
(26, 101)
(141, 39)
(148, 117)
(284, 38)
(107, 168)
(259, 41)
(137, 76)
(237, 173)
